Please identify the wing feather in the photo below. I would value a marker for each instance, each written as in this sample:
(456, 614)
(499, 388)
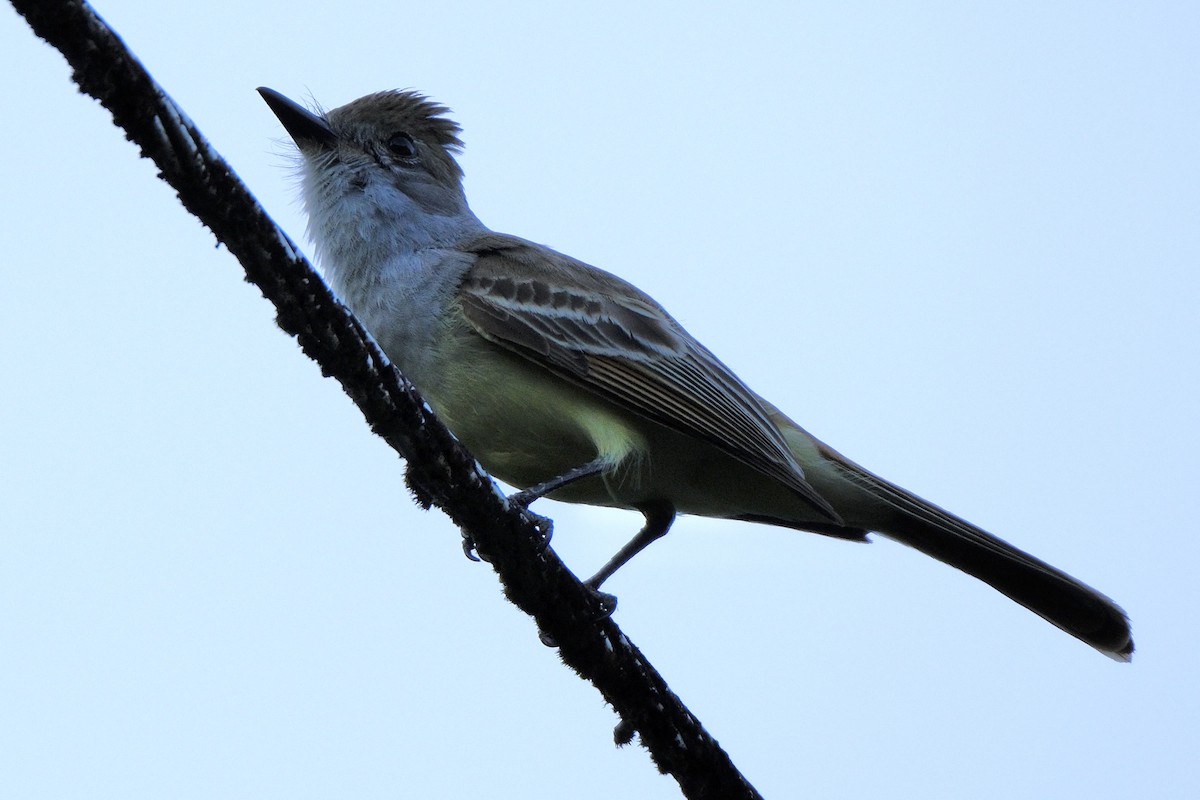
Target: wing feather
(597, 330)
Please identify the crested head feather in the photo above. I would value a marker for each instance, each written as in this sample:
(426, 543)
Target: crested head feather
(398, 109)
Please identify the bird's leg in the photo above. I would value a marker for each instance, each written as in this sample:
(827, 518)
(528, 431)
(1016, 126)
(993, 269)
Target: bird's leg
(523, 498)
(659, 516)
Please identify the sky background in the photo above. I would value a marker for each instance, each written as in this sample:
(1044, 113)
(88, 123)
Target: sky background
(957, 241)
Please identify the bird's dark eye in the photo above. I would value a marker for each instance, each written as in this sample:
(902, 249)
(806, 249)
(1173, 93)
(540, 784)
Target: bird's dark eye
(402, 146)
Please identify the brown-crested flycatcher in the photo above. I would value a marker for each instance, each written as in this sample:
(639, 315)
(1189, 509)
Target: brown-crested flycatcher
(567, 381)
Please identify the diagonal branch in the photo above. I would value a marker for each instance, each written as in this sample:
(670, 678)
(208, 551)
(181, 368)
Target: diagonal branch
(440, 471)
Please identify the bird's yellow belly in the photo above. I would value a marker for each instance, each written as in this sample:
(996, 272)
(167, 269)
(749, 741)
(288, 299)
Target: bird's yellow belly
(527, 425)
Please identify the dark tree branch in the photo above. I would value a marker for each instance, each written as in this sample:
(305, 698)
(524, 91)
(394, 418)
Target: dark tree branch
(440, 471)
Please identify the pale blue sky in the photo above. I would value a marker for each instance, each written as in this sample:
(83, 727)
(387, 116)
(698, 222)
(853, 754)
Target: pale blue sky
(957, 241)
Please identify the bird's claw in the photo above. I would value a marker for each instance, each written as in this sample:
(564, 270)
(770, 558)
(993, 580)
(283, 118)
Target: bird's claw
(468, 546)
(544, 526)
(607, 602)
(521, 500)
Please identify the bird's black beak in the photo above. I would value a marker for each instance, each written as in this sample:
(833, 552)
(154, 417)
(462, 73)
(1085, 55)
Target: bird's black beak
(305, 127)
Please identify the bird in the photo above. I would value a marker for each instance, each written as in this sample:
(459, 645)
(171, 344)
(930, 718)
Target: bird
(566, 381)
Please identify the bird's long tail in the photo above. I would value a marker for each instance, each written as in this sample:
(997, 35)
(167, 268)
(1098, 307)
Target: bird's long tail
(1050, 593)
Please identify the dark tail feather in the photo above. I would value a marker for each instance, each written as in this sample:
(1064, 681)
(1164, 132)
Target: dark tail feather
(1050, 593)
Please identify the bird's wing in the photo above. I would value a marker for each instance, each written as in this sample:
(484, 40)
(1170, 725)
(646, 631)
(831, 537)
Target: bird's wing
(593, 328)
